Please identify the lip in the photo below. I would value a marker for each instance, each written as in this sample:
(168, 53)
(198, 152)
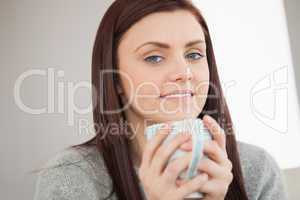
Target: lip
(188, 91)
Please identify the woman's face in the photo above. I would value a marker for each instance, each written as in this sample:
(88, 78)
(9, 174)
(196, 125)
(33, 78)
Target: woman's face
(164, 54)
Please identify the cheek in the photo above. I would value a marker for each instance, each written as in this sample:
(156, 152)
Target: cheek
(146, 96)
(202, 85)
(141, 87)
(146, 83)
(140, 83)
(202, 79)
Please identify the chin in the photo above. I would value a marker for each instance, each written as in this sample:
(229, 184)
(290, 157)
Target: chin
(176, 117)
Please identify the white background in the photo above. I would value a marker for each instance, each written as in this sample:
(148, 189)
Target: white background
(253, 54)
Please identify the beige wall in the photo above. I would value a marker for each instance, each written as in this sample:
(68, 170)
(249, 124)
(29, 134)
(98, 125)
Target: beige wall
(39, 35)
(293, 16)
(292, 181)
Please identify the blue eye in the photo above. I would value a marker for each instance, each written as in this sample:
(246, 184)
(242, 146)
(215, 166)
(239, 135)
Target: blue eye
(195, 56)
(153, 59)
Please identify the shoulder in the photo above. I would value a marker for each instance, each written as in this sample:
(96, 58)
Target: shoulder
(262, 175)
(253, 156)
(74, 173)
(255, 159)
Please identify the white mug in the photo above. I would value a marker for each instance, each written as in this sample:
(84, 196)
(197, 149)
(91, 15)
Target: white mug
(200, 134)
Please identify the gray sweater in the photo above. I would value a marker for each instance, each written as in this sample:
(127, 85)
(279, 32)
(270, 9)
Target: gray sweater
(76, 178)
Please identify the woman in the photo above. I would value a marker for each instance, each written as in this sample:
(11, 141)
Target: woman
(157, 48)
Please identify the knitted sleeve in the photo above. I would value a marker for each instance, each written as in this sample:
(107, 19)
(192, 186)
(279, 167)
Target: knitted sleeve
(263, 177)
(69, 176)
(272, 186)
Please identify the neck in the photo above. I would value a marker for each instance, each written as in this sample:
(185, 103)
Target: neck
(138, 139)
(137, 144)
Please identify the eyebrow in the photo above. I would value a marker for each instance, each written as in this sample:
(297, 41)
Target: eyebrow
(166, 46)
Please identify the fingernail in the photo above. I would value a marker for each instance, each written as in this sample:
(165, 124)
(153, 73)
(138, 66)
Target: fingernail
(204, 176)
(208, 119)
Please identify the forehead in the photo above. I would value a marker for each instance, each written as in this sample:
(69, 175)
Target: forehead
(175, 27)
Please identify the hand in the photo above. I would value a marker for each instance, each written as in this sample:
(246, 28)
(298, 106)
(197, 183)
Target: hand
(217, 166)
(157, 177)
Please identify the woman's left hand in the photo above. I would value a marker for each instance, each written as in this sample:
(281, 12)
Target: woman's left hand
(217, 166)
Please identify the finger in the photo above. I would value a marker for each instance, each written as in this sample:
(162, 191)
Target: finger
(180, 181)
(154, 143)
(216, 131)
(191, 186)
(164, 152)
(215, 187)
(187, 146)
(210, 167)
(175, 167)
(214, 151)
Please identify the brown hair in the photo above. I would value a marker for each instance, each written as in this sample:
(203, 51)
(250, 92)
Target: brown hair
(115, 149)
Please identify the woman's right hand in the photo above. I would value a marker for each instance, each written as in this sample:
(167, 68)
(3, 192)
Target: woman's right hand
(159, 178)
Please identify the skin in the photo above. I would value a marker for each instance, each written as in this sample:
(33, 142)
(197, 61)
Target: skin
(147, 72)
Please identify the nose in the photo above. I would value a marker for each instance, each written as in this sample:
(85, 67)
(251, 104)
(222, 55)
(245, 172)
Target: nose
(181, 74)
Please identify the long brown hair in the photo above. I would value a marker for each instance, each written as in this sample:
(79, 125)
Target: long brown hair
(115, 148)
